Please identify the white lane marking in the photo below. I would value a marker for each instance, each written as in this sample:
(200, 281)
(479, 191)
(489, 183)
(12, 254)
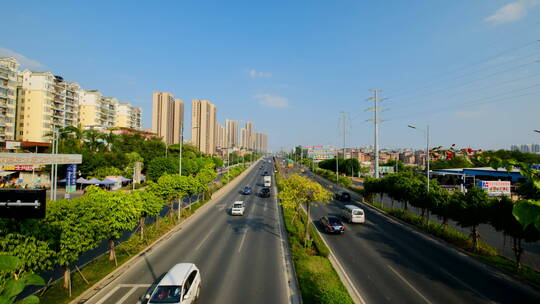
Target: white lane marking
(242, 241)
(202, 242)
(105, 297)
(465, 285)
(409, 284)
(132, 290)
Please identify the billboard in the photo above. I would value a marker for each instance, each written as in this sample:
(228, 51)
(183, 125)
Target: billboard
(39, 159)
(22, 167)
(22, 203)
(71, 178)
(495, 188)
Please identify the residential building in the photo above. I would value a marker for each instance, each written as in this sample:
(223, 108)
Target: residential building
(525, 148)
(261, 142)
(8, 97)
(128, 116)
(221, 142)
(100, 112)
(204, 125)
(45, 102)
(231, 133)
(167, 117)
(247, 138)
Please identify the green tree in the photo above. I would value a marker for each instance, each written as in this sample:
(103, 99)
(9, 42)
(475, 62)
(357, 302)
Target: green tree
(11, 285)
(473, 211)
(151, 205)
(162, 165)
(502, 219)
(119, 212)
(297, 191)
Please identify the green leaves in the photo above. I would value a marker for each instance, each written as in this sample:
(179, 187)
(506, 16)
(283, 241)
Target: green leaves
(11, 288)
(298, 190)
(527, 212)
(9, 263)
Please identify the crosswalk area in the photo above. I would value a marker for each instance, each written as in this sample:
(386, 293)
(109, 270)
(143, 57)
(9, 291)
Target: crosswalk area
(125, 294)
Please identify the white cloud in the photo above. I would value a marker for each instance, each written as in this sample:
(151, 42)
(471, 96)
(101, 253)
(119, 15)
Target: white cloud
(258, 74)
(23, 60)
(272, 101)
(511, 12)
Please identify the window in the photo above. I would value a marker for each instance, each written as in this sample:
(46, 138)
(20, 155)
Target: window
(21, 133)
(166, 294)
(189, 281)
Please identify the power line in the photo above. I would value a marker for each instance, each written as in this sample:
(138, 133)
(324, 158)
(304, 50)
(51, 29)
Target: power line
(490, 99)
(435, 78)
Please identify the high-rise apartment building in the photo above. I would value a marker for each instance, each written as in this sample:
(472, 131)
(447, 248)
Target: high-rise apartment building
(167, 117)
(261, 142)
(231, 133)
(204, 125)
(221, 142)
(8, 97)
(247, 137)
(128, 116)
(45, 102)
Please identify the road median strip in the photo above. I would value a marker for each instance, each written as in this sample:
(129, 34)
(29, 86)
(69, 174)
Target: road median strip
(318, 279)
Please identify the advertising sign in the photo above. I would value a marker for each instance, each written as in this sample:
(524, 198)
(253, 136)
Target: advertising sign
(71, 178)
(13, 145)
(39, 159)
(22, 167)
(22, 203)
(495, 188)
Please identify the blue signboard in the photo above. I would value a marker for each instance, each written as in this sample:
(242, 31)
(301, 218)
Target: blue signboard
(71, 178)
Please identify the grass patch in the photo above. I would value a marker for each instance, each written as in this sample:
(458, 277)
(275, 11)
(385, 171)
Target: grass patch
(319, 282)
(101, 267)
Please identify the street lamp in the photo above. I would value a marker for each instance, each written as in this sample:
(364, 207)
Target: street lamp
(537, 131)
(180, 154)
(427, 151)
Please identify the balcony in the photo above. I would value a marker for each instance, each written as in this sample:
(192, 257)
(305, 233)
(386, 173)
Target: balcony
(4, 75)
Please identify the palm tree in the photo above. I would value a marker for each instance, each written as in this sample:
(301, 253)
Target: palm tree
(92, 139)
(110, 139)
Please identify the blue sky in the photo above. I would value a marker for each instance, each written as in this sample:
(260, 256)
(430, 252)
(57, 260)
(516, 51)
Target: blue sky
(466, 68)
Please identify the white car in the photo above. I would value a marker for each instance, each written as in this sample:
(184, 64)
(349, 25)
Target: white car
(181, 284)
(237, 208)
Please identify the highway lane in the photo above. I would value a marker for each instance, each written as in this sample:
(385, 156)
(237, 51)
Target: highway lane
(240, 258)
(392, 263)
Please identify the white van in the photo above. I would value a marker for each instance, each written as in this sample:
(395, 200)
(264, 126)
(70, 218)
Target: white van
(353, 214)
(181, 284)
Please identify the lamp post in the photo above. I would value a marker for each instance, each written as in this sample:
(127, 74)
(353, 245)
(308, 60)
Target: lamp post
(427, 151)
(180, 154)
(537, 131)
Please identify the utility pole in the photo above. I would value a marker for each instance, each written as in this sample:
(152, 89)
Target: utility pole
(181, 144)
(376, 121)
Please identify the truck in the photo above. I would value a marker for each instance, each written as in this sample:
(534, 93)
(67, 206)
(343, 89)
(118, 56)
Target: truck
(267, 180)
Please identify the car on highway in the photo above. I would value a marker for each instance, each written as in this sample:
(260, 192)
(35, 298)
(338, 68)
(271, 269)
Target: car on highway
(238, 208)
(332, 224)
(353, 214)
(342, 196)
(246, 191)
(181, 284)
(264, 192)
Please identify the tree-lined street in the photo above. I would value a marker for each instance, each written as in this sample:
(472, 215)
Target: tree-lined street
(240, 258)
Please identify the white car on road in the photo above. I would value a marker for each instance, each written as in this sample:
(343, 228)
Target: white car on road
(237, 208)
(181, 284)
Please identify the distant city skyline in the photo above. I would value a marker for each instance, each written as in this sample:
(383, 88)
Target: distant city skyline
(465, 68)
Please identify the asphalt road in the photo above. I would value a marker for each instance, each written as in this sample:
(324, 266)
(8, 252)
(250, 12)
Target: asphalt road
(240, 258)
(389, 262)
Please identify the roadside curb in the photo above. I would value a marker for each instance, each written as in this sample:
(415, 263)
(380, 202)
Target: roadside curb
(492, 270)
(98, 286)
(292, 278)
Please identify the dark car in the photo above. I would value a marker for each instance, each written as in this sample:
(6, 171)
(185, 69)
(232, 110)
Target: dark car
(343, 196)
(264, 192)
(332, 224)
(246, 191)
